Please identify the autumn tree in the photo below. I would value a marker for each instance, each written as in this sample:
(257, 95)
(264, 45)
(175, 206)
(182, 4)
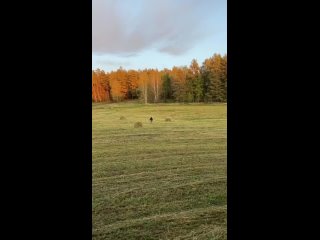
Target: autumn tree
(101, 89)
(214, 73)
(115, 86)
(224, 77)
(166, 93)
(133, 84)
(178, 76)
(121, 75)
(195, 83)
(105, 83)
(143, 85)
(155, 84)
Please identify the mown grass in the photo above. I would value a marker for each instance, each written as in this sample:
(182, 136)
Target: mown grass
(165, 180)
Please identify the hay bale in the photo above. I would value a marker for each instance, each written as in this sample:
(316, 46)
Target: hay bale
(122, 118)
(168, 119)
(138, 125)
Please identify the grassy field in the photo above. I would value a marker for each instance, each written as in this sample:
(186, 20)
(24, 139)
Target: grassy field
(166, 180)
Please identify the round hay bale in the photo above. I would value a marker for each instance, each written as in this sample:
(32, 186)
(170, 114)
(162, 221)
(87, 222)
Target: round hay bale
(122, 118)
(138, 125)
(168, 119)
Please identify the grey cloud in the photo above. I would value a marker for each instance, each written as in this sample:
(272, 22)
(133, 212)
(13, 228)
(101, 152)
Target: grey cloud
(113, 63)
(172, 27)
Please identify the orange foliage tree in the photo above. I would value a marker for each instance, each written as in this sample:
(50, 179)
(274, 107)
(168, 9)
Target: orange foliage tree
(195, 83)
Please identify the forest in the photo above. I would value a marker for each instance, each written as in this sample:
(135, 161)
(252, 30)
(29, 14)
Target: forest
(205, 83)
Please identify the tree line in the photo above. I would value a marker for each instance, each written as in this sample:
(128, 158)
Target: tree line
(205, 83)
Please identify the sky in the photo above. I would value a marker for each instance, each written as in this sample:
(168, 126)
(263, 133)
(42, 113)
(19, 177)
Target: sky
(139, 34)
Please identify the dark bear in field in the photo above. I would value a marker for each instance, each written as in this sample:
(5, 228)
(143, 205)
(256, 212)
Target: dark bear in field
(151, 119)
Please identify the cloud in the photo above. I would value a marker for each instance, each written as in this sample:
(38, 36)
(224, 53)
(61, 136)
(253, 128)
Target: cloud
(128, 27)
(112, 63)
